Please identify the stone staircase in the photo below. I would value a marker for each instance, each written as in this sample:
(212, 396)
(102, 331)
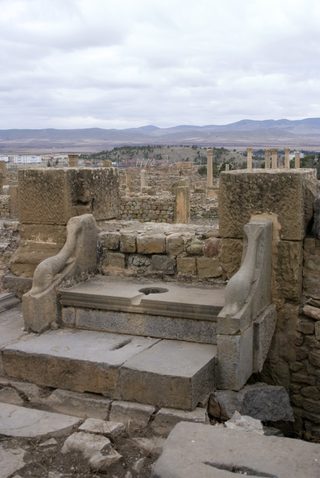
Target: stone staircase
(134, 341)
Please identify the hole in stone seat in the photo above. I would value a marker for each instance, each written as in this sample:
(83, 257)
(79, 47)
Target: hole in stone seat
(153, 290)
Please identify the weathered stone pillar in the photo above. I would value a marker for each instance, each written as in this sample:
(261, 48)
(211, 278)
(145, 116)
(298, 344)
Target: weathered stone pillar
(128, 180)
(73, 160)
(267, 153)
(297, 160)
(249, 158)
(143, 178)
(3, 168)
(107, 163)
(287, 158)
(209, 167)
(274, 159)
(182, 202)
(227, 167)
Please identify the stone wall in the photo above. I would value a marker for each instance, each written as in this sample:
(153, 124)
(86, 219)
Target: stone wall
(9, 241)
(4, 206)
(186, 255)
(286, 198)
(144, 208)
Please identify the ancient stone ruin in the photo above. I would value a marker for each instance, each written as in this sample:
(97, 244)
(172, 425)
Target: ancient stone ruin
(174, 321)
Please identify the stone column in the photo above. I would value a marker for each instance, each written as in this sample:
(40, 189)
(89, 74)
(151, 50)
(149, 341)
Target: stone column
(227, 167)
(73, 160)
(287, 158)
(128, 180)
(249, 158)
(209, 167)
(267, 153)
(274, 159)
(143, 178)
(297, 160)
(3, 168)
(182, 205)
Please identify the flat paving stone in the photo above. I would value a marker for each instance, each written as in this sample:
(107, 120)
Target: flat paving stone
(11, 325)
(194, 450)
(11, 460)
(83, 361)
(28, 423)
(171, 374)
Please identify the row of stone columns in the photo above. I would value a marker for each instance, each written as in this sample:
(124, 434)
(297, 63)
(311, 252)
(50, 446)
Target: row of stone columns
(274, 158)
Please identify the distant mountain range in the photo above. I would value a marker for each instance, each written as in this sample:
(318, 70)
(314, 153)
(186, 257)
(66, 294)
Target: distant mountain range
(304, 134)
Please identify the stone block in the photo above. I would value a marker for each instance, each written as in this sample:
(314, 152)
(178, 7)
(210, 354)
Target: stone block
(14, 202)
(165, 264)
(289, 194)
(167, 418)
(208, 267)
(212, 247)
(317, 330)
(195, 450)
(114, 260)
(79, 404)
(194, 247)
(260, 401)
(187, 265)
(53, 196)
(263, 330)
(101, 427)
(86, 443)
(310, 311)
(128, 242)
(135, 416)
(307, 327)
(235, 355)
(231, 254)
(170, 374)
(289, 269)
(153, 244)
(175, 244)
(111, 240)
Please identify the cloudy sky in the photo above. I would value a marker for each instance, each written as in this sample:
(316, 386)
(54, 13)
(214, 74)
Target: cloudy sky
(129, 63)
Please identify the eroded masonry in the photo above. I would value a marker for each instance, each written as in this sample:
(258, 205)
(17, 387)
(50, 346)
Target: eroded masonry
(170, 314)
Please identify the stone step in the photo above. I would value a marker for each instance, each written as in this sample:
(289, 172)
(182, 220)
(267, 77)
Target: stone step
(160, 310)
(163, 373)
(7, 301)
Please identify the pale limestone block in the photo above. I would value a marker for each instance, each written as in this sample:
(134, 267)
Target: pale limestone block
(235, 355)
(86, 443)
(175, 244)
(68, 316)
(135, 416)
(102, 427)
(311, 311)
(114, 260)
(153, 244)
(208, 267)
(111, 240)
(162, 263)
(11, 460)
(288, 193)
(289, 269)
(9, 395)
(231, 254)
(187, 265)
(263, 330)
(128, 242)
(53, 196)
(101, 462)
(79, 404)
(167, 418)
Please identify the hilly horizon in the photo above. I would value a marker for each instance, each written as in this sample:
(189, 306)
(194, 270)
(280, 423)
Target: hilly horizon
(304, 134)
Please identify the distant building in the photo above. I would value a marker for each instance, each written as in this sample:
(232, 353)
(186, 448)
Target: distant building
(4, 158)
(27, 159)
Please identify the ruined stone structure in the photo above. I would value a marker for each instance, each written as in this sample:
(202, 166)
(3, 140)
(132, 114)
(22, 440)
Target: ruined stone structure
(266, 328)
